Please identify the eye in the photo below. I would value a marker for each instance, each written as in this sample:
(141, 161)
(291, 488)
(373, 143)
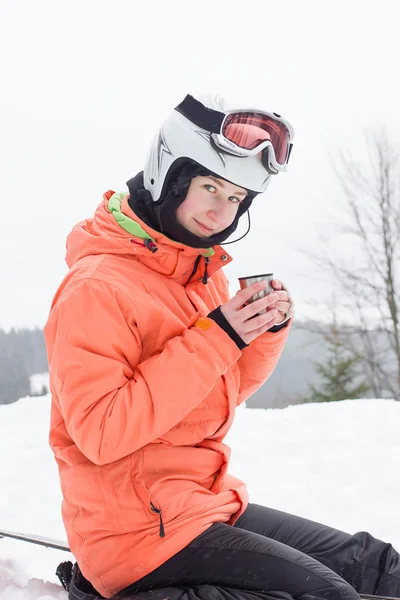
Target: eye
(234, 199)
(208, 186)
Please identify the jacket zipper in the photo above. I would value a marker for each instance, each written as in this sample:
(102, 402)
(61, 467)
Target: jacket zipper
(159, 512)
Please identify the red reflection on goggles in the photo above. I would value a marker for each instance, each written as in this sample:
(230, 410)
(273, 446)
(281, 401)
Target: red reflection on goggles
(248, 130)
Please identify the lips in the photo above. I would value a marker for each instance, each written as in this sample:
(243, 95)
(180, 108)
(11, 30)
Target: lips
(204, 227)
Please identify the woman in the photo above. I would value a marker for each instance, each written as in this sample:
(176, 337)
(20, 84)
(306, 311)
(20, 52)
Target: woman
(148, 359)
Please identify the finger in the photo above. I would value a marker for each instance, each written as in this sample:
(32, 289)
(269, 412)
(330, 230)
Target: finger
(283, 307)
(283, 296)
(258, 305)
(265, 327)
(260, 321)
(276, 284)
(271, 324)
(243, 296)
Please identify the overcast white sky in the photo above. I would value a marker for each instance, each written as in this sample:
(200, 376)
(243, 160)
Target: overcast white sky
(85, 84)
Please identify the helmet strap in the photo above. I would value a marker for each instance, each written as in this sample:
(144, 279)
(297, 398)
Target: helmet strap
(244, 235)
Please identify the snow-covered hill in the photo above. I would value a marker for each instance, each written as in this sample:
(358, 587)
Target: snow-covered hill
(337, 463)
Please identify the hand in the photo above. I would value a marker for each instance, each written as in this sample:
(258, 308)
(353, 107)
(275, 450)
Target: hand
(242, 317)
(284, 305)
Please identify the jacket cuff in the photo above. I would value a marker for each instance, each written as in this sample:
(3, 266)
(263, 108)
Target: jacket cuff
(280, 326)
(217, 316)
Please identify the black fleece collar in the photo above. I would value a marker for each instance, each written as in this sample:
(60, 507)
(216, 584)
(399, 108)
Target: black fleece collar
(161, 215)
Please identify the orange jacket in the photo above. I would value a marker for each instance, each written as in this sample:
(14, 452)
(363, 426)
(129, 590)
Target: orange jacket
(144, 389)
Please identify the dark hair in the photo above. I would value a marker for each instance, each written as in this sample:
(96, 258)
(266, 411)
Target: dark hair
(183, 176)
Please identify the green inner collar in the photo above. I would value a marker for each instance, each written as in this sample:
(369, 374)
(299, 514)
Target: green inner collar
(131, 226)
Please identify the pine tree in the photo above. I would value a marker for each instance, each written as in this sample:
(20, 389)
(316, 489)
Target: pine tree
(339, 373)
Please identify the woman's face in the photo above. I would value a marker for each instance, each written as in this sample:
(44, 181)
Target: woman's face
(210, 206)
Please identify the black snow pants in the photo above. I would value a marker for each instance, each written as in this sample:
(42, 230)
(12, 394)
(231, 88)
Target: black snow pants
(284, 557)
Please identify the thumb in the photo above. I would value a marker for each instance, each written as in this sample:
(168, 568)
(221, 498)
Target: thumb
(276, 284)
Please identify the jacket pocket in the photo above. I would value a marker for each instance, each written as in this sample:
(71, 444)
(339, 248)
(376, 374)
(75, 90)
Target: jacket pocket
(150, 504)
(119, 494)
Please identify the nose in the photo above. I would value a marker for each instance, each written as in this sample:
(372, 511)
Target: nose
(218, 212)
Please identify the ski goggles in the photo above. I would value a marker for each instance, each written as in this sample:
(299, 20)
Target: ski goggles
(244, 132)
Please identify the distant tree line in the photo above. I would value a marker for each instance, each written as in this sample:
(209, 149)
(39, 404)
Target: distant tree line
(318, 364)
(22, 354)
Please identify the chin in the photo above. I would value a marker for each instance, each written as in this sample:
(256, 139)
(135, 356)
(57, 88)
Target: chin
(201, 235)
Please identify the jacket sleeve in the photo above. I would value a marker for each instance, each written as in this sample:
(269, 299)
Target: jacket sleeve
(260, 357)
(112, 402)
(259, 360)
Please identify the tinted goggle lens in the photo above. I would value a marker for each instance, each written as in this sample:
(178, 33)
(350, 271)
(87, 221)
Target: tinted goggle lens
(248, 130)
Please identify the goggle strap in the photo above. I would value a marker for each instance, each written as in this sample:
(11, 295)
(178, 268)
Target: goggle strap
(206, 118)
(266, 163)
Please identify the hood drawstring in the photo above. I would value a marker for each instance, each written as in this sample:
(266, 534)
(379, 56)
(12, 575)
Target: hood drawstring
(152, 246)
(196, 265)
(205, 276)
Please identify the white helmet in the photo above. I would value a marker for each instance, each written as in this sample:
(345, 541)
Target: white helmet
(244, 146)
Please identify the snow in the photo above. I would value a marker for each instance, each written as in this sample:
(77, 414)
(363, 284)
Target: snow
(336, 463)
(38, 382)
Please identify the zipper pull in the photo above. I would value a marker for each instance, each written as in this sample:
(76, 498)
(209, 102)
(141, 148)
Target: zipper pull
(159, 512)
(205, 276)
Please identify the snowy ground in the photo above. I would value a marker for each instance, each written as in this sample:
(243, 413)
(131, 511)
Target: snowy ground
(337, 463)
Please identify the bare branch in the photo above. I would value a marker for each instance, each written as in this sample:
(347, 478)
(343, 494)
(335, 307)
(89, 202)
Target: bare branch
(367, 267)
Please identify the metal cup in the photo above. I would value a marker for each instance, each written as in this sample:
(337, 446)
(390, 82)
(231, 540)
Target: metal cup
(244, 283)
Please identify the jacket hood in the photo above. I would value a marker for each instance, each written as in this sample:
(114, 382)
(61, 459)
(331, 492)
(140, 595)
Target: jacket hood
(116, 229)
